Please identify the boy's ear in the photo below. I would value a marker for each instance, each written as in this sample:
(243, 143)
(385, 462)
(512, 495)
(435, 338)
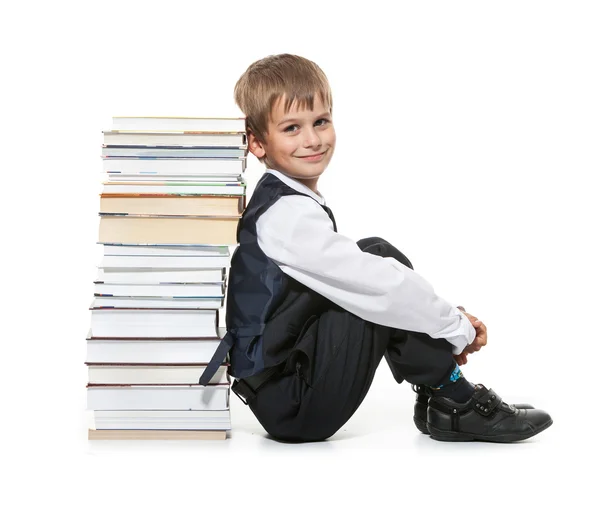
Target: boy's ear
(255, 146)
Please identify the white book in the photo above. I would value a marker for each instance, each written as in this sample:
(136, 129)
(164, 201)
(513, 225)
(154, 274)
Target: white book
(188, 166)
(155, 276)
(160, 419)
(175, 188)
(157, 303)
(165, 250)
(174, 139)
(152, 374)
(213, 291)
(163, 152)
(158, 177)
(150, 351)
(157, 397)
(183, 262)
(180, 124)
(154, 323)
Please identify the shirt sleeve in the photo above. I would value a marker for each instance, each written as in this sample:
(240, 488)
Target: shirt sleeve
(297, 234)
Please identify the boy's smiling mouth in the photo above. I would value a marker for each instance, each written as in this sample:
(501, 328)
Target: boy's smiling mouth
(312, 157)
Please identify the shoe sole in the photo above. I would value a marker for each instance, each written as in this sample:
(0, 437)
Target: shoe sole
(456, 436)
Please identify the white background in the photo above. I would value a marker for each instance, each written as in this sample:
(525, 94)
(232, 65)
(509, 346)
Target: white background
(467, 136)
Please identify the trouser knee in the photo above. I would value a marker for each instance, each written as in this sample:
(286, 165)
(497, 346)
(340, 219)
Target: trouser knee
(381, 247)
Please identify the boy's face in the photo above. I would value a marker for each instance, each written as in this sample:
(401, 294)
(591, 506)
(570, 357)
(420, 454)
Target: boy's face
(293, 138)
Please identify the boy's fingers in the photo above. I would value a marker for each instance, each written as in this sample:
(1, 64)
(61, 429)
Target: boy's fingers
(461, 359)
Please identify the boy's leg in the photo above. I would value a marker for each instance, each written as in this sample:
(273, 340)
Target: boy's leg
(458, 411)
(407, 350)
(334, 363)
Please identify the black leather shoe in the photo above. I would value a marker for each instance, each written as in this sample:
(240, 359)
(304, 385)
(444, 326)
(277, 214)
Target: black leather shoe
(420, 416)
(483, 418)
(422, 401)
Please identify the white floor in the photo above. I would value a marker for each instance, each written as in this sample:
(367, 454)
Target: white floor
(378, 457)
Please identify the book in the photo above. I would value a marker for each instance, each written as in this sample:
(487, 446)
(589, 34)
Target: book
(160, 420)
(168, 230)
(158, 139)
(155, 303)
(154, 323)
(174, 188)
(213, 291)
(152, 374)
(172, 205)
(154, 434)
(165, 262)
(158, 397)
(150, 351)
(149, 178)
(195, 166)
(170, 152)
(164, 249)
(180, 124)
(131, 275)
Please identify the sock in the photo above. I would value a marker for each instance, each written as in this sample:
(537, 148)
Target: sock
(455, 387)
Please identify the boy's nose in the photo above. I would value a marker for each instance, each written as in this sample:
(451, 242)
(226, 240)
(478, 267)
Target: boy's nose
(312, 139)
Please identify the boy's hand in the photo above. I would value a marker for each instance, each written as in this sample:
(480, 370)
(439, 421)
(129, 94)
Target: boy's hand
(479, 341)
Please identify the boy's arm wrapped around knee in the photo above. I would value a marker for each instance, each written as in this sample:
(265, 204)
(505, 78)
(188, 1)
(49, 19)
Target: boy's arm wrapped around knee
(298, 235)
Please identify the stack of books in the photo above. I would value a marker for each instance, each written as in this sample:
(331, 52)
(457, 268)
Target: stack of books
(172, 198)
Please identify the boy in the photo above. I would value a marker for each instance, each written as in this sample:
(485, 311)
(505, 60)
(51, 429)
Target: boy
(310, 313)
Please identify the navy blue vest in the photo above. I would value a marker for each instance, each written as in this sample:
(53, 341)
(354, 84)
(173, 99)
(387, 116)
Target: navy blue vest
(260, 333)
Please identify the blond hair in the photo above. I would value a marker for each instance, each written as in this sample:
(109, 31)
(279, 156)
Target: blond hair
(269, 79)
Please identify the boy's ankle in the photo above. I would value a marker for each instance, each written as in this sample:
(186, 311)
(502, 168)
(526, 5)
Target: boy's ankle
(460, 391)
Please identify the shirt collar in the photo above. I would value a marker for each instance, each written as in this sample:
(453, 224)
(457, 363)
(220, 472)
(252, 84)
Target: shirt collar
(294, 184)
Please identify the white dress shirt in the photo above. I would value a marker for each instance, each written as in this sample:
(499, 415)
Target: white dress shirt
(297, 234)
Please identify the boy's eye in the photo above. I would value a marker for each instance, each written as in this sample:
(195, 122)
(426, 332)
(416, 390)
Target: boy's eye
(288, 129)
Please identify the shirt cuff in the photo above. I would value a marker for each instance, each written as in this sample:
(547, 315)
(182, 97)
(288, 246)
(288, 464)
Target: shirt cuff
(466, 335)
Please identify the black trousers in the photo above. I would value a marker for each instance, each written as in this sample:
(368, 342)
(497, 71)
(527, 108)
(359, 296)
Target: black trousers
(317, 396)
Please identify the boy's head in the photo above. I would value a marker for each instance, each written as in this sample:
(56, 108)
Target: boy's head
(288, 106)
